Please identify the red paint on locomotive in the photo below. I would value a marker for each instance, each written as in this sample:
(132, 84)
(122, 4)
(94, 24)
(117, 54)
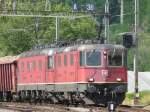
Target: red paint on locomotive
(65, 67)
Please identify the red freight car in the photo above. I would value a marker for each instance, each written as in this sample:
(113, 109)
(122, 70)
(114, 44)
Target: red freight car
(7, 77)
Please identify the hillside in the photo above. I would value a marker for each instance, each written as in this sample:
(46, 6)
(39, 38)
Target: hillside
(18, 34)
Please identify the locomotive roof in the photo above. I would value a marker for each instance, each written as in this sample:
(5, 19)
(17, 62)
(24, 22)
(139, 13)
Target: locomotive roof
(51, 51)
(100, 46)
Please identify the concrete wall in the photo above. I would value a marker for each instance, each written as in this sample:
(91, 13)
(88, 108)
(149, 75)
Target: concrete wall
(144, 81)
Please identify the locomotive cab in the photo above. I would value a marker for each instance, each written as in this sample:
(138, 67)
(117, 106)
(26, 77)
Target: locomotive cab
(103, 67)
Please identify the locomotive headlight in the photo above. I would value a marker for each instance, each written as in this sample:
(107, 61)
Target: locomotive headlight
(91, 80)
(105, 54)
(119, 79)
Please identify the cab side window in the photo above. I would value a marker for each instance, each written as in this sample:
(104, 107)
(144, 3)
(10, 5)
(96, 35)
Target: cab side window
(50, 62)
(82, 58)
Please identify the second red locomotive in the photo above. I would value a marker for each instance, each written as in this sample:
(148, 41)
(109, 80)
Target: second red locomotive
(87, 73)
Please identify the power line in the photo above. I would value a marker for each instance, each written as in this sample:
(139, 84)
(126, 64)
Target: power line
(27, 28)
(53, 14)
(75, 13)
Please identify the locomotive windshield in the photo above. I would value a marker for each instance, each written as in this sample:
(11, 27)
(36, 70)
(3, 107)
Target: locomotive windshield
(90, 58)
(115, 58)
(93, 58)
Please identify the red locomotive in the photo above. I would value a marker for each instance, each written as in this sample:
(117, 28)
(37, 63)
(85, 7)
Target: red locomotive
(87, 73)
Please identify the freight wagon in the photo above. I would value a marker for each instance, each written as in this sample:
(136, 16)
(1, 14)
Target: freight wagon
(8, 78)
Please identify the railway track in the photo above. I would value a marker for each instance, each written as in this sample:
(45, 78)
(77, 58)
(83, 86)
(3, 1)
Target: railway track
(26, 107)
(121, 108)
(126, 108)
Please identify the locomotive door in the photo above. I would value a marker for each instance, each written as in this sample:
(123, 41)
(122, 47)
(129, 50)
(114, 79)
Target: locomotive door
(70, 71)
(59, 78)
(49, 76)
(72, 68)
(65, 71)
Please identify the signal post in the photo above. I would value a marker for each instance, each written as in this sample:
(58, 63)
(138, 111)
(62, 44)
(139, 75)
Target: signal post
(136, 11)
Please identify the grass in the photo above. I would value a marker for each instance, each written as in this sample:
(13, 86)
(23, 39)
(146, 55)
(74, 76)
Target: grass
(144, 98)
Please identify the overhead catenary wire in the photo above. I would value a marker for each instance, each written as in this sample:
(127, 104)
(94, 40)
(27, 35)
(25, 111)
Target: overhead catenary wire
(30, 27)
(127, 14)
(55, 13)
(62, 14)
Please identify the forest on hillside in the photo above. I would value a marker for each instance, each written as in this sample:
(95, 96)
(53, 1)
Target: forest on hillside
(19, 34)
